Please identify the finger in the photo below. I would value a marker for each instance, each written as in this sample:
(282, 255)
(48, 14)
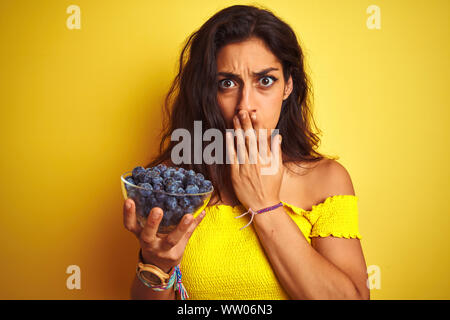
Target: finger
(276, 153)
(249, 136)
(182, 243)
(240, 142)
(129, 217)
(151, 225)
(175, 236)
(272, 139)
(194, 225)
(260, 133)
(262, 138)
(255, 119)
(231, 152)
(256, 125)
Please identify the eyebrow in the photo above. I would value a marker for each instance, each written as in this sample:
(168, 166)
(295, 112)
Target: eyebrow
(255, 74)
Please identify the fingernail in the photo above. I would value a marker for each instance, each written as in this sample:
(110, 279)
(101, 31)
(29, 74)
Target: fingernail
(187, 220)
(128, 205)
(202, 214)
(254, 116)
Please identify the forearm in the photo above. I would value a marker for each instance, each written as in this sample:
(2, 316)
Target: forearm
(140, 291)
(301, 270)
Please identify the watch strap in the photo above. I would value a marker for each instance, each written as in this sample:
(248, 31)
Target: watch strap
(159, 274)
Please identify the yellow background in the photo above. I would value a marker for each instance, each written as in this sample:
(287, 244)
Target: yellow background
(80, 107)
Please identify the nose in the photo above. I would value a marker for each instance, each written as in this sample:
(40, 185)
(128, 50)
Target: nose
(246, 99)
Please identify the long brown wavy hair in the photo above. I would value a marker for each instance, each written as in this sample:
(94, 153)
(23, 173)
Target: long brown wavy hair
(193, 93)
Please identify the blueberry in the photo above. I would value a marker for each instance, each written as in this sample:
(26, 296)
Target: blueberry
(196, 201)
(178, 176)
(171, 203)
(138, 174)
(127, 186)
(161, 167)
(174, 180)
(157, 180)
(160, 197)
(206, 186)
(145, 178)
(171, 188)
(168, 181)
(184, 202)
(147, 191)
(181, 190)
(131, 193)
(190, 173)
(189, 180)
(179, 211)
(137, 171)
(179, 184)
(198, 181)
(191, 189)
(153, 173)
(156, 169)
(140, 206)
(150, 200)
(168, 173)
(177, 215)
(139, 178)
(130, 180)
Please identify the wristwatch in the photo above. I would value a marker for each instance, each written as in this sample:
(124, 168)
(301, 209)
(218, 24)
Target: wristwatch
(151, 274)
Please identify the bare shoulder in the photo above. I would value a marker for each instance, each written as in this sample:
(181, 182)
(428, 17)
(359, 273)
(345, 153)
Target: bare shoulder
(335, 179)
(309, 183)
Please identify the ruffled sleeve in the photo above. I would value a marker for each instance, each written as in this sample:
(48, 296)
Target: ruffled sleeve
(337, 216)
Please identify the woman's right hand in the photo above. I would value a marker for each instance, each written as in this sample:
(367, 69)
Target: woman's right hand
(162, 250)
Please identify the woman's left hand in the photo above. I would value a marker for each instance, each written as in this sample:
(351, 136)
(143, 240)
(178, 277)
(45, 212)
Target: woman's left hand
(256, 177)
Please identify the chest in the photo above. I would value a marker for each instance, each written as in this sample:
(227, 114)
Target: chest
(232, 261)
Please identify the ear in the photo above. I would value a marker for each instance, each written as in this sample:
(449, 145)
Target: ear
(288, 88)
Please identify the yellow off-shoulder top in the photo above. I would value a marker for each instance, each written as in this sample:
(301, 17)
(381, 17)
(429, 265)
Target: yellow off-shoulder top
(221, 262)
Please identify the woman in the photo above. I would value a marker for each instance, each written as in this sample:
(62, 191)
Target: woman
(244, 69)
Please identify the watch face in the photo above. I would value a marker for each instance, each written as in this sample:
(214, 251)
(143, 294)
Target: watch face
(151, 278)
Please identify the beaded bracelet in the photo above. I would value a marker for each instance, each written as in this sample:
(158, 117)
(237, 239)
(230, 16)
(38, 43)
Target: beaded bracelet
(259, 211)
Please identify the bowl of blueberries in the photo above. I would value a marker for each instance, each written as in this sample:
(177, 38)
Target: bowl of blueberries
(175, 190)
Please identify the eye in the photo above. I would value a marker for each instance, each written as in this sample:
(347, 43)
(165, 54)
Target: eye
(226, 83)
(267, 81)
